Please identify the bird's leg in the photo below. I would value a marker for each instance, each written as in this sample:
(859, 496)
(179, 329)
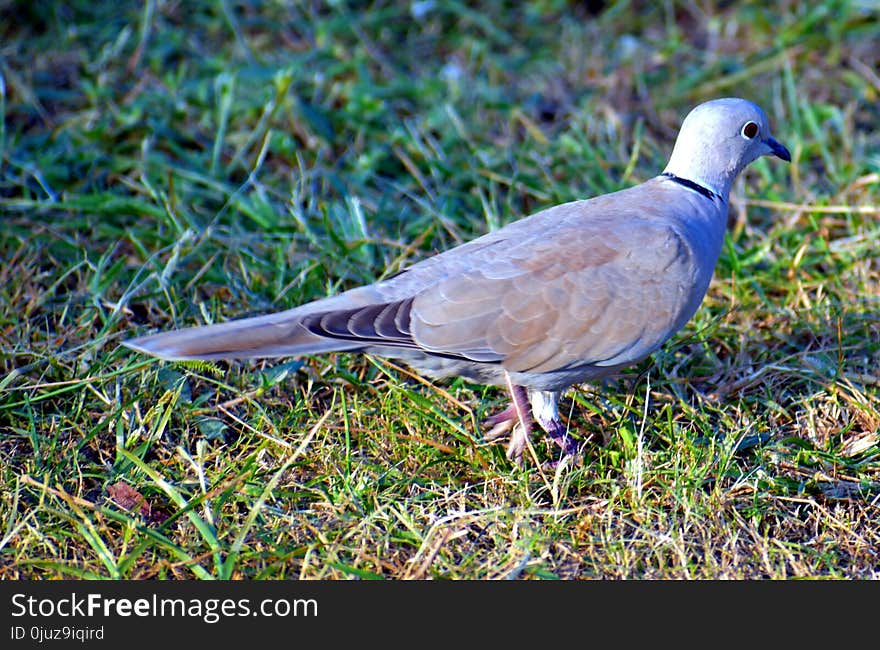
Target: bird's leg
(559, 434)
(518, 413)
(546, 412)
(524, 405)
(519, 437)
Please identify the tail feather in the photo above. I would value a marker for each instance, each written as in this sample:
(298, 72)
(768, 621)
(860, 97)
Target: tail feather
(274, 335)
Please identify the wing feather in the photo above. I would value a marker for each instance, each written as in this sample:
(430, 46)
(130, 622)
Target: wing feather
(574, 307)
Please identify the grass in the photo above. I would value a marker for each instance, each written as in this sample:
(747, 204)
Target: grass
(165, 164)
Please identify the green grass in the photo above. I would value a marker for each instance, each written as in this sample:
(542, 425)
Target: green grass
(169, 164)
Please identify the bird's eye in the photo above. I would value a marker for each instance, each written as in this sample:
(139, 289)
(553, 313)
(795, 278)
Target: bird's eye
(750, 130)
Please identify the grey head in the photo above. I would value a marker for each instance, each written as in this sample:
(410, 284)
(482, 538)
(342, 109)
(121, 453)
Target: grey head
(718, 139)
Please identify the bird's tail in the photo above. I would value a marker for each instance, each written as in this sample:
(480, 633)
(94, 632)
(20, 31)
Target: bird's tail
(273, 335)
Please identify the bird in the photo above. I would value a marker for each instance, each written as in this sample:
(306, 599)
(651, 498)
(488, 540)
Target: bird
(570, 294)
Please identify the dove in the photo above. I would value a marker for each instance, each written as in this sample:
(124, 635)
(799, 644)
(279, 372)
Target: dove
(570, 294)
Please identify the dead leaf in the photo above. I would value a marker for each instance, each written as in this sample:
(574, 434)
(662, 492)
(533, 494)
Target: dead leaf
(130, 499)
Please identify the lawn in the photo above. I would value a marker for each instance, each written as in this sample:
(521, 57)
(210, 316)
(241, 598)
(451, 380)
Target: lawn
(166, 164)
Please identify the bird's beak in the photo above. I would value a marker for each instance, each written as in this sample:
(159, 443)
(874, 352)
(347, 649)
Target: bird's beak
(778, 149)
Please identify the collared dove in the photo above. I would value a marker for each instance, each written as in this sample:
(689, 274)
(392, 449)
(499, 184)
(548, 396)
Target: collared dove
(570, 294)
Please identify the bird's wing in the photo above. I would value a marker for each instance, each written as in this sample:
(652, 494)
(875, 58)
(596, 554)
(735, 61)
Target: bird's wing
(595, 295)
(599, 282)
(600, 291)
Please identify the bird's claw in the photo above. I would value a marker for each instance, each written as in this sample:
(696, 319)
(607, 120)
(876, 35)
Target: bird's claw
(519, 438)
(503, 422)
(508, 420)
(498, 430)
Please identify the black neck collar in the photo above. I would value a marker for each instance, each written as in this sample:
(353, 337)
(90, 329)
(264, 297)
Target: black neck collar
(691, 185)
